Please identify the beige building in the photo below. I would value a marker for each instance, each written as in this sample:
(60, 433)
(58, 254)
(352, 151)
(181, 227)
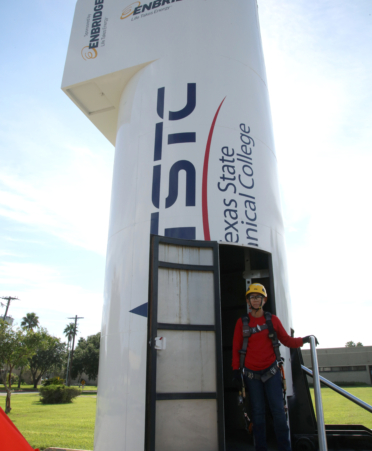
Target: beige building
(343, 364)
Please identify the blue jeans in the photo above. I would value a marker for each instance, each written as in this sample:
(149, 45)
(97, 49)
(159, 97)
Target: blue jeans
(274, 394)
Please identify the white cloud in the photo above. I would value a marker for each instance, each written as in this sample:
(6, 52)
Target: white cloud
(319, 65)
(56, 303)
(71, 202)
(26, 274)
(55, 175)
(42, 290)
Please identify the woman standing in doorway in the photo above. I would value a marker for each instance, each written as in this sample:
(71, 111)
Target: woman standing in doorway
(259, 363)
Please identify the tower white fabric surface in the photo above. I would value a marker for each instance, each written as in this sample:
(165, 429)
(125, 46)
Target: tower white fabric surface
(179, 87)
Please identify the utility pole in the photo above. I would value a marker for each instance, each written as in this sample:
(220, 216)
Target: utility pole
(9, 299)
(73, 346)
(68, 361)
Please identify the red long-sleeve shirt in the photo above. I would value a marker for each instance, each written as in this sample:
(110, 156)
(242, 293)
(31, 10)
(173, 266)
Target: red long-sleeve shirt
(260, 352)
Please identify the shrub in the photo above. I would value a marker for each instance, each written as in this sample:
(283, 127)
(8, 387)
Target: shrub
(58, 394)
(54, 381)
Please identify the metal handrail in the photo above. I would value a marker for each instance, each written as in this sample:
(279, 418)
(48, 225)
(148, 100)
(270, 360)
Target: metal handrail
(322, 437)
(339, 390)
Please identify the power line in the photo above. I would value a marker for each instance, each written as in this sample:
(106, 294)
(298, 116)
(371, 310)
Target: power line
(9, 299)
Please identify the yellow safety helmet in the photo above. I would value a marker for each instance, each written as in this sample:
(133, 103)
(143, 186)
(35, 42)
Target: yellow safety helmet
(256, 288)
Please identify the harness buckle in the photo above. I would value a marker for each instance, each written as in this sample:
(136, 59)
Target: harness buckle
(247, 331)
(269, 374)
(247, 373)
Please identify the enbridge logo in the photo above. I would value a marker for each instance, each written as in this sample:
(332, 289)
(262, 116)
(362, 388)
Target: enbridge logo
(90, 51)
(137, 8)
(129, 10)
(88, 54)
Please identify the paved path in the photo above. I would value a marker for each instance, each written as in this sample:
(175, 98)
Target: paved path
(21, 393)
(37, 393)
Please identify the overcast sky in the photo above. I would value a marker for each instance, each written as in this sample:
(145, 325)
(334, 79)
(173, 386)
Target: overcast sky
(56, 168)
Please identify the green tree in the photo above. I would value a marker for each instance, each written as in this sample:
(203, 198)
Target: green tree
(352, 344)
(49, 355)
(86, 357)
(30, 321)
(16, 346)
(20, 378)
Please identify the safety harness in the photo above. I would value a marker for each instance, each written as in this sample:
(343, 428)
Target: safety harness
(277, 366)
(248, 331)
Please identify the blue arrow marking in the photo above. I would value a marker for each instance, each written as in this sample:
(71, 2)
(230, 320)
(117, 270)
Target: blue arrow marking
(140, 310)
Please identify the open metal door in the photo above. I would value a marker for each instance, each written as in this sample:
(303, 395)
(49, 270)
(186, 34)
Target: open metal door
(184, 376)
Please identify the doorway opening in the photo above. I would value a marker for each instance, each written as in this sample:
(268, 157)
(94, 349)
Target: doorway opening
(196, 294)
(237, 266)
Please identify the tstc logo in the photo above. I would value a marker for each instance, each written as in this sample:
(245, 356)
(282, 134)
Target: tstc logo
(181, 165)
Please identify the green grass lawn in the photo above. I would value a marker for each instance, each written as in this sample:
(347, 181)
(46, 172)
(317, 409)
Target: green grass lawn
(72, 425)
(56, 425)
(339, 410)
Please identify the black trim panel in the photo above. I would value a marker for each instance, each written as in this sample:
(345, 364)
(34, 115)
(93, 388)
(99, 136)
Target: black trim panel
(183, 243)
(174, 396)
(170, 265)
(185, 327)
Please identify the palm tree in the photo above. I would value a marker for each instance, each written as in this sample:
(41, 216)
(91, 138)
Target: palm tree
(70, 331)
(30, 321)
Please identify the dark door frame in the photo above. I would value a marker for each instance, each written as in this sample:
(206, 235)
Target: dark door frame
(153, 326)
